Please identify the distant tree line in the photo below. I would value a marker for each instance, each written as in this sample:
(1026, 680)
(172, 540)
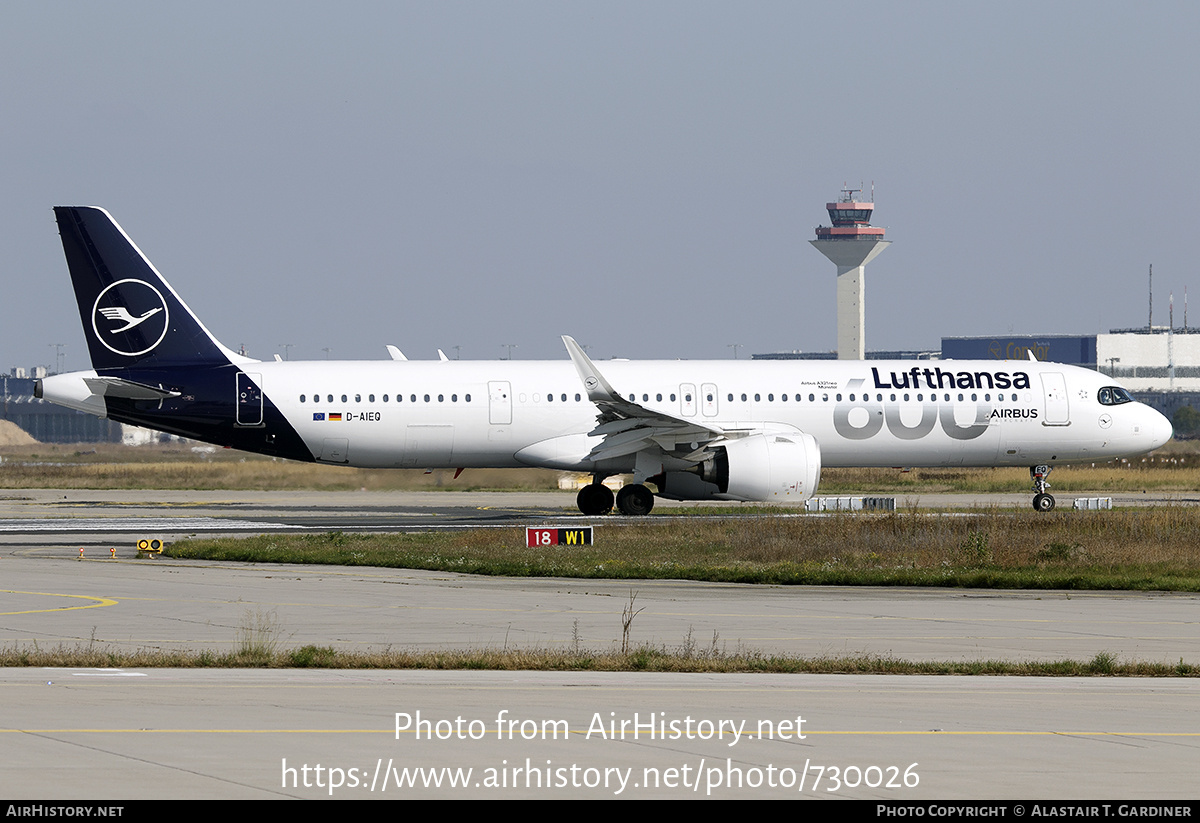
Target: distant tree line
(1186, 421)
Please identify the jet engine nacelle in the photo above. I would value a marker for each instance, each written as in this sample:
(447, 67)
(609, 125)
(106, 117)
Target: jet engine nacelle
(775, 467)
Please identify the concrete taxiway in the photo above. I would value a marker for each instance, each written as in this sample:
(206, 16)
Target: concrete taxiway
(154, 733)
(320, 734)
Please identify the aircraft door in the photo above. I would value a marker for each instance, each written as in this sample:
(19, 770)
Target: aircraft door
(249, 400)
(499, 403)
(1057, 410)
(687, 399)
(708, 399)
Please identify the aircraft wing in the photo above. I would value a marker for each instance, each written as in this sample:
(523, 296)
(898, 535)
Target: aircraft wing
(627, 427)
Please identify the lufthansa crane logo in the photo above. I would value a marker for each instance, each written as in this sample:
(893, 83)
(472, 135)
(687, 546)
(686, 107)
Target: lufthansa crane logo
(130, 317)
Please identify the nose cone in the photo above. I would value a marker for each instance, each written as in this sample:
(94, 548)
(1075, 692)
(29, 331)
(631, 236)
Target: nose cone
(1159, 429)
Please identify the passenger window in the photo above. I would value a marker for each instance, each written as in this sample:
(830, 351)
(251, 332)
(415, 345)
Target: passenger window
(301, 398)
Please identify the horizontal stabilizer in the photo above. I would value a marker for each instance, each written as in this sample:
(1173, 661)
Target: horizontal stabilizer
(118, 387)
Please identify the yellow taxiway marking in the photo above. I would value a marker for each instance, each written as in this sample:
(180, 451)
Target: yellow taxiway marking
(99, 602)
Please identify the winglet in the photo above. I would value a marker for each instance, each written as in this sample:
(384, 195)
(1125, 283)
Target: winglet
(395, 353)
(1032, 356)
(597, 387)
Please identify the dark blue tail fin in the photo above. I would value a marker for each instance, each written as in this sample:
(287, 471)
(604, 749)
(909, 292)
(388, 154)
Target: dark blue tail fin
(131, 315)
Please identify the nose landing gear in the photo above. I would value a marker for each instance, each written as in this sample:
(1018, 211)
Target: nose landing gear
(1042, 501)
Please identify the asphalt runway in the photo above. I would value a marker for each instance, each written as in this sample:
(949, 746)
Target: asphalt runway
(220, 733)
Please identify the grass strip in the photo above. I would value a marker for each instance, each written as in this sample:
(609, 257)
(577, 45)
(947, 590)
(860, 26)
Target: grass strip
(642, 659)
(1148, 549)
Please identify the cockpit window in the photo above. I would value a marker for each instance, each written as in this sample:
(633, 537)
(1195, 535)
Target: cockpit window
(1114, 396)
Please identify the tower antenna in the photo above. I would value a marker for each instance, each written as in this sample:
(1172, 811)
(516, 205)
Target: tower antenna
(1150, 319)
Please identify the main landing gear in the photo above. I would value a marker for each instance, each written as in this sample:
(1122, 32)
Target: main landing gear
(596, 499)
(1042, 501)
(635, 500)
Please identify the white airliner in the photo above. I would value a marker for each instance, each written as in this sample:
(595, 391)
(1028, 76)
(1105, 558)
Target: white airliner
(695, 430)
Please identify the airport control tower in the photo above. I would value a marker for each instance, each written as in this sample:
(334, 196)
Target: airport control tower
(850, 243)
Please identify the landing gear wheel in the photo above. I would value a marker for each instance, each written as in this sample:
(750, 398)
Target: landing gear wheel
(1043, 502)
(594, 499)
(635, 500)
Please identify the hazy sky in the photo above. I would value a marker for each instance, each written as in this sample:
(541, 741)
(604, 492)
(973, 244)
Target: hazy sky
(645, 176)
